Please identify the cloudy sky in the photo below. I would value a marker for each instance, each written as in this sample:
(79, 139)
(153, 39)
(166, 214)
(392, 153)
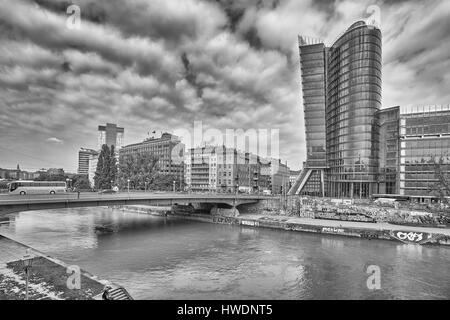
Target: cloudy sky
(163, 64)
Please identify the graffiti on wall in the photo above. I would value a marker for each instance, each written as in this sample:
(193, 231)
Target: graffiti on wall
(250, 223)
(332, 230)
(411, 236)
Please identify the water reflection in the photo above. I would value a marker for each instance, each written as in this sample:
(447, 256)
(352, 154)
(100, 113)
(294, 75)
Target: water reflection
(159, 258)
(332, 243)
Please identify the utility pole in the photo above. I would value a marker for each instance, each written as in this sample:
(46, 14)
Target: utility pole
(27, 262)
(249, 184)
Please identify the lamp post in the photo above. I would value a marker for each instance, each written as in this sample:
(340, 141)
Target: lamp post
(128, 185)
(27, 262)
(174, 185)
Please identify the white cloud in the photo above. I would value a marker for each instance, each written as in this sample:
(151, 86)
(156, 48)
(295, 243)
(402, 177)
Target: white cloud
(55, 140)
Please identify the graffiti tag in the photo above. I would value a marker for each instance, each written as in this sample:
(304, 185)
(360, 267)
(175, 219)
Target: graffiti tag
(250, 223)
(332, 230)
(411, 236)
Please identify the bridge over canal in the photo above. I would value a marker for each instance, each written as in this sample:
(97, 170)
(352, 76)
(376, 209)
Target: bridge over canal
(11, 204)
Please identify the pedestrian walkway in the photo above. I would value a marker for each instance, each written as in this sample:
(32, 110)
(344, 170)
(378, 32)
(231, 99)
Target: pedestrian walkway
(48, 278)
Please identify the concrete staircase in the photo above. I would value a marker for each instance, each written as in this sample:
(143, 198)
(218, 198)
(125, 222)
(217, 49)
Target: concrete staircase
(117, 293)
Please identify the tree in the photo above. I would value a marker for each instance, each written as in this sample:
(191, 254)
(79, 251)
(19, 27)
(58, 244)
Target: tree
(44, 176)
(141, 169)
(106, 172)
(442, 186)
(113, 165)
(164, 182)
(81, 182)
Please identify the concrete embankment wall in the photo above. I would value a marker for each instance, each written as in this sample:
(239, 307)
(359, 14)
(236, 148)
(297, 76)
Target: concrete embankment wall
(271, 218)
(318, 228)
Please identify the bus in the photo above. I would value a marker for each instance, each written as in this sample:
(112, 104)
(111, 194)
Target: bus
(23, 187)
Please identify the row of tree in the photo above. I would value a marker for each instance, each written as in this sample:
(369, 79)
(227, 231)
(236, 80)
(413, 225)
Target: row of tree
(137, 171)
(79, 181)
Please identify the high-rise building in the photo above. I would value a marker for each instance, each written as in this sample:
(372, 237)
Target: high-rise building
(313, 64)
(341, 87)
(83, 160)
(111, 135)
(353, 99)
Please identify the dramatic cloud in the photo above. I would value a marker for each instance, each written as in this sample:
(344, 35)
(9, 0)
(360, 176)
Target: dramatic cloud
(163, 64)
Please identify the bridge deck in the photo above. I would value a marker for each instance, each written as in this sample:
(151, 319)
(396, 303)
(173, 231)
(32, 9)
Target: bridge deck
(14, 203)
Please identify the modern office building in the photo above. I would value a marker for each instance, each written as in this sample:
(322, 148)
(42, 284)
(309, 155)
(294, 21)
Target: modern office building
(313, 64)
(111, 135)
(424, 140)
(341, 87)
(83, 160)
(412, 141)
(168, 148)
(353, 99)
(389, 151)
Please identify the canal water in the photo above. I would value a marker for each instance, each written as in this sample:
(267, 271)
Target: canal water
(170, 258)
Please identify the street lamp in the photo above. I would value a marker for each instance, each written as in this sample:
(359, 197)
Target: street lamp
(128, 185)
(174, 183)
(27, 262)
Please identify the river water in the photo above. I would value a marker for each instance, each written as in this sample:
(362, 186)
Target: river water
(170, 258)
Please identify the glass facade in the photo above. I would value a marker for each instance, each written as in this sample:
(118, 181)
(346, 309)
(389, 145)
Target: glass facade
(341, 95)
(313, 66)
(352, 101)
(313, 186)
(425, 138)
(389, 151)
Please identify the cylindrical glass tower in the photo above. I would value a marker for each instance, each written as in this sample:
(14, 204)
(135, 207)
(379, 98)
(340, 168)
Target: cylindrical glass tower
(353, 98)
